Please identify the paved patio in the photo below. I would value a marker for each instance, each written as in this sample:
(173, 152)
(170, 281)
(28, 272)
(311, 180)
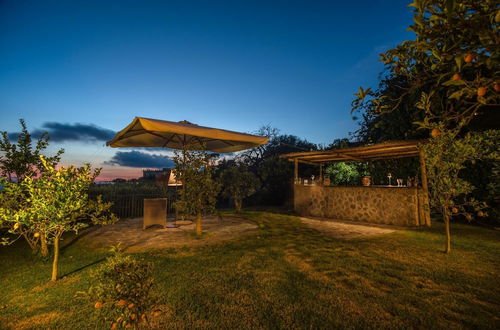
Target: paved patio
(129, 232)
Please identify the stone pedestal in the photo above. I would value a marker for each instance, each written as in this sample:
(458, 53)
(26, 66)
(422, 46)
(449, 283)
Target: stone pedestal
(155, 212)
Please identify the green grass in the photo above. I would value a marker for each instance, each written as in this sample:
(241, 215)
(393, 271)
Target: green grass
(284, 276)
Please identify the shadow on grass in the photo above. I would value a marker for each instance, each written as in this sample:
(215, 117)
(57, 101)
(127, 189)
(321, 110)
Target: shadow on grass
(76, 238)
(83, 267)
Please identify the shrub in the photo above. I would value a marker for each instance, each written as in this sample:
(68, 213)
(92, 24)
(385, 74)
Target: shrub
(124, 290)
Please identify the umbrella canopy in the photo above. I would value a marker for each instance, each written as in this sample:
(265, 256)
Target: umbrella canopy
(146, 132)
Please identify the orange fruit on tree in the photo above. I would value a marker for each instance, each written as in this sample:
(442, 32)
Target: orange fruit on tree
(480, 214)
(114, 326)
(468, 216)
(128, 326)
(121, 303)
(98, 304)
(496, 87)
(435, 132)
(156, 314)
(133, 316)
(143, 317)
(481, 91)
(131, 305)
(16, 225)
(456, 76)
(37, 235)
(469, 58)
(454, 210)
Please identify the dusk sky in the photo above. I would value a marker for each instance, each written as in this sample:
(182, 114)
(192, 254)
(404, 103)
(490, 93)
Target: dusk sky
(82, 70)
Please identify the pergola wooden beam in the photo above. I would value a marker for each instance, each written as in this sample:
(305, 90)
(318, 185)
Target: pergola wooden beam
(394, 149)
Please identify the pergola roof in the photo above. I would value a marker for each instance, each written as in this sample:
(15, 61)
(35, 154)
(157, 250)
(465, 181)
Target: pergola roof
(385, 150)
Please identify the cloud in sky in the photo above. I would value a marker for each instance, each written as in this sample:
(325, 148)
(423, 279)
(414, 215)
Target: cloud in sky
(140, 159)
(60, 132)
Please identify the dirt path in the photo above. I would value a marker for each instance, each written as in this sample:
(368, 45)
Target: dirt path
(130, 233)
(347, 229)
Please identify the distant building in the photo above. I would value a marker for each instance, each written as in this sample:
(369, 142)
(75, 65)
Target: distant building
(152, 174)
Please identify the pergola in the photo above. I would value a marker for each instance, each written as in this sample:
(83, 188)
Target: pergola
(379, 151)
(385, 150)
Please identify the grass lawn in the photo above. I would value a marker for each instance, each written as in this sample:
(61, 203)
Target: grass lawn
(284, 276)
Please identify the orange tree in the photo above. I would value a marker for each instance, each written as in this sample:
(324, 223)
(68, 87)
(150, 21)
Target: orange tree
(56, 202)
(450, 74)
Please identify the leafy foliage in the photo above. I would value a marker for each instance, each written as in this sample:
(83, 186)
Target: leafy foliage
(446, 157)
(442, 81)
(23, 159)
(343, 173)
(238, 183)
(55, 202)
(198, 195)
(451, 67)
(275, 174)
(124, 290)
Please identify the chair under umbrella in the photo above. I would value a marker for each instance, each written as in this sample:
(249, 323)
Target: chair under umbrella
(146, 132)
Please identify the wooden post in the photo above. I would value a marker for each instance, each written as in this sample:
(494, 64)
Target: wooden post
(296, 171)
(425, 190)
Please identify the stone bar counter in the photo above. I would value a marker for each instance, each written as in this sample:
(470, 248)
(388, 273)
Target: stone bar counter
(401, 206)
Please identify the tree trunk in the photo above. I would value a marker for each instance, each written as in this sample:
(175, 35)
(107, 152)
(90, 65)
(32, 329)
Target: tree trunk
(56, 258)
(44, 249)
(446, 218)
(198, 224)
(237, 204)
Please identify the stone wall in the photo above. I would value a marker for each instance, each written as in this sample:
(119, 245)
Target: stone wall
(383, 205)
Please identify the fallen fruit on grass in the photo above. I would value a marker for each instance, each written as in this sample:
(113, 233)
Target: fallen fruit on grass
(481, 91)
(435, 132)
(456, 76)
(469, 58)
(121, 303)
(98, 304)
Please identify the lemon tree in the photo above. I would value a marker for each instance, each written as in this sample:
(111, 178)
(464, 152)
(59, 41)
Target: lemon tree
(57, 202)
